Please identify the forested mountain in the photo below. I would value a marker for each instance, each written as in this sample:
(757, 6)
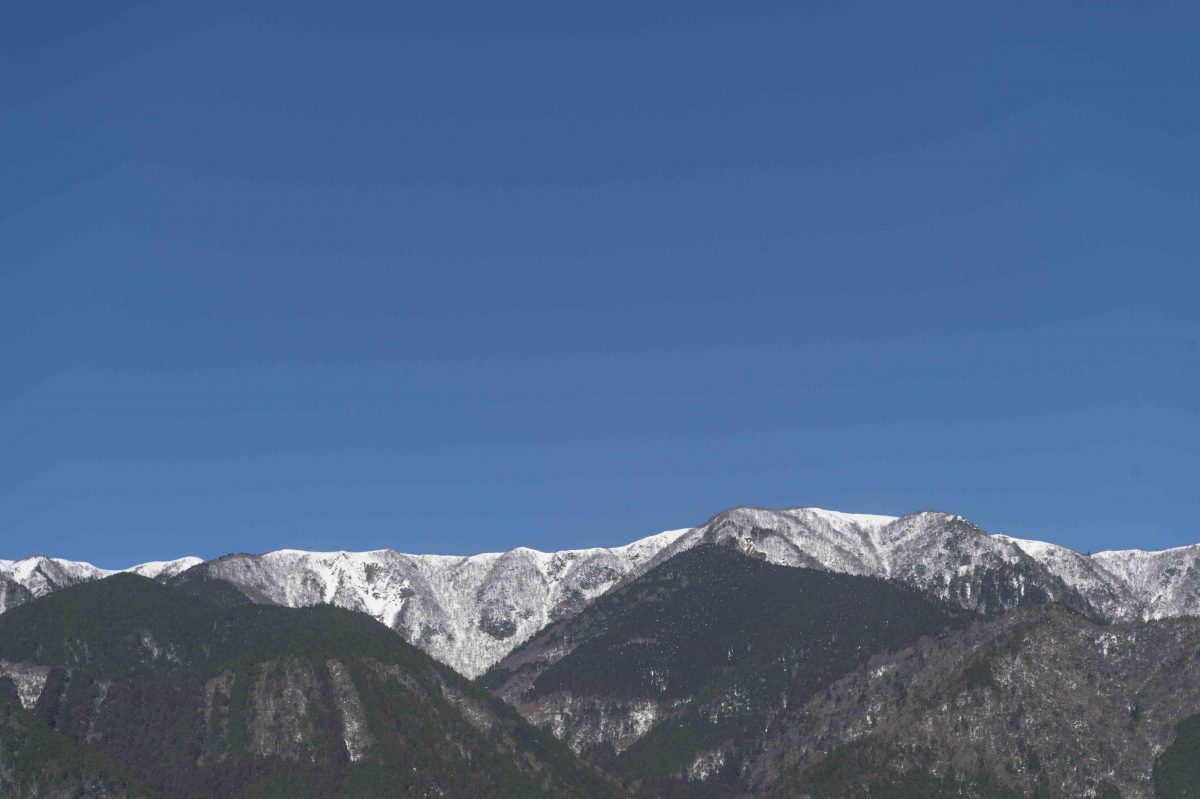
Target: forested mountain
(670, 681)
(720, 675)
(1041, 702)
(126, 687)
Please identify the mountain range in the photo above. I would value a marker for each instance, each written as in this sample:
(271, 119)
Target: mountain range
(469, 612)
(765, 654)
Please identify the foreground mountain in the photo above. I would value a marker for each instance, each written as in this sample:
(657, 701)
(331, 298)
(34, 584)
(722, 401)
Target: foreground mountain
(470, 612)
(716, 675)
(126, 687)
(669, 681)
(38, 761)
(1041, 702)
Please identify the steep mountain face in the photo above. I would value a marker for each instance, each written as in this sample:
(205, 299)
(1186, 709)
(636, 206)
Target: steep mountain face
(670, 680)
(1165, 583)
(937, 552)
(1039, 702)
(467, 612)
(1108, 594)
(126, 687)
(470, 612)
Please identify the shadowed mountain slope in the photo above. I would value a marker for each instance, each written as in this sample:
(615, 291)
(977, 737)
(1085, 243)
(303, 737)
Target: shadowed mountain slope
(194, 692)
(718, 675)
(670, 681)
(1041, 702)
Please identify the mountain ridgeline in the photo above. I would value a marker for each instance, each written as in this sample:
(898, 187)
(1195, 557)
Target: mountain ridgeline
(470, 612)
(765, 653)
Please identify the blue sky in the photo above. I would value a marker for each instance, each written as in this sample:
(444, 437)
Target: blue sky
(476, 276)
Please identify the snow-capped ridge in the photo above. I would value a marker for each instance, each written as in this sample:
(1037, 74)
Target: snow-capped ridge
(1146, 552)
(666, 535)
(38, 575)
(161, 569)
(469, 611)
(466, 610)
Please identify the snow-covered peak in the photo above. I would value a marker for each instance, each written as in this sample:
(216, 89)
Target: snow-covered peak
(952, 558)
(41, 575)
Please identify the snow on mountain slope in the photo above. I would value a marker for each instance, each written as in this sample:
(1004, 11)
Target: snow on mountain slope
(468, 612)
(1166, 583)
(1112, 596)
(165, 569)
(952, 558)
(812, 537)
(29, 578)
(938, 552)
(471, 611)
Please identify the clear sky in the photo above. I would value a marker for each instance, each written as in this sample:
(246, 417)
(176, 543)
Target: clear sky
(451, 278)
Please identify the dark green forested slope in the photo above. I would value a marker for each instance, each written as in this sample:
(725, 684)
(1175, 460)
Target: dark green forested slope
(1177, 769)
(190, 692)
(1039, 703)
(714, 643)
(38, 761)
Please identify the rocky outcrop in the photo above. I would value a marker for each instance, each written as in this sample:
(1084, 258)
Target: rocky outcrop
(29, 679)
